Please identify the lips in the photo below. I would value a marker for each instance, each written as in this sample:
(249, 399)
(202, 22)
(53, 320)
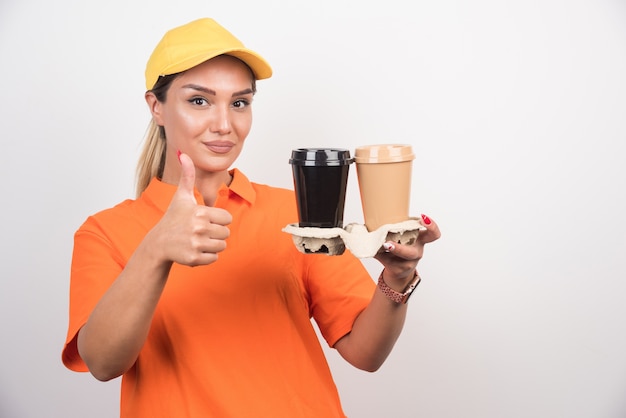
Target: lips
(219, 147)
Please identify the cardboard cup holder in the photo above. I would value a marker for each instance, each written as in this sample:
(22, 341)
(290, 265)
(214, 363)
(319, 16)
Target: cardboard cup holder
(355, 237)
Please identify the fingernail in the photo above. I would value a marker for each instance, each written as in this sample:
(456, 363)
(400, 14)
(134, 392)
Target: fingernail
(389, 246)
(178, 155)
(426, 219)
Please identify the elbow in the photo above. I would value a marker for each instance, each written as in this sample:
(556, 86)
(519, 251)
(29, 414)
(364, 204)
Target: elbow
(362, 359)
(373, 369)
(102, 371)
(103, 375)
(369, 367)
(102, 365)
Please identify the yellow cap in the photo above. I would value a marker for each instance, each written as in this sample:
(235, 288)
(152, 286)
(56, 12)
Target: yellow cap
(186, 46)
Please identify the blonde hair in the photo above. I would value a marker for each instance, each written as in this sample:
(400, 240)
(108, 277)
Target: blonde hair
(152, 157)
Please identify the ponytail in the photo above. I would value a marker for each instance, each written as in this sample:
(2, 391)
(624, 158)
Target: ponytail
(152, 159)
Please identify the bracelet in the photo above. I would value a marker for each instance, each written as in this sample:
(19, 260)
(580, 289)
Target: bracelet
(399, 297)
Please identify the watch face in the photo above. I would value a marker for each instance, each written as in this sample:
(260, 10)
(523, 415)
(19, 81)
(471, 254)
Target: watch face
(407, 295)
(409, 291)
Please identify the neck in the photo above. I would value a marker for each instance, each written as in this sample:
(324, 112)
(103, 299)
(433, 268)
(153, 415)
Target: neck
(209, 183)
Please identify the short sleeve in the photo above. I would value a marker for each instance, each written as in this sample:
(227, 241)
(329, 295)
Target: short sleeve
(95, 265)
(340, 288)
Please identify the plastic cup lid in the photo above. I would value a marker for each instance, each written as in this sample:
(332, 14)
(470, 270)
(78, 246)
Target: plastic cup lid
(383, 153)
(320, 157)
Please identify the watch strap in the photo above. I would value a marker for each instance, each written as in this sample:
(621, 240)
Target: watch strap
(394, 295)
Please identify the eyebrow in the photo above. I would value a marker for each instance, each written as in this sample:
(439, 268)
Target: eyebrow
(213, 93)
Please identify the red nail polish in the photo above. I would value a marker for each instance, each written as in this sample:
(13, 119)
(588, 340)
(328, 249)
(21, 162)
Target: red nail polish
(178, 154)
(426, 219)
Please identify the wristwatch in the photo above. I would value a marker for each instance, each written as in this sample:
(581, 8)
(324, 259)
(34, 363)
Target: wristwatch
(399, 297)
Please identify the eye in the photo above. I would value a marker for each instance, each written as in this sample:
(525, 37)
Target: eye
(241, 104)
(198, 101)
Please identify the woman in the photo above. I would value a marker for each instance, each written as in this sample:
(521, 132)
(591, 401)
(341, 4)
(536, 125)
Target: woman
(192, 292)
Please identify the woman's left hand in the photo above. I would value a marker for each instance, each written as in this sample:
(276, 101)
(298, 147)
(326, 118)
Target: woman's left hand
(400, 261)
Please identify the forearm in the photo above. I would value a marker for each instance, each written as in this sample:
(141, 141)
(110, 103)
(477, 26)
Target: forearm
(377, 328)
(374, 333)
(115, 332)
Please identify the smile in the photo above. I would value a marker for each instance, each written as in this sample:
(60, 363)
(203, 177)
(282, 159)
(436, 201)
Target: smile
(219, 147)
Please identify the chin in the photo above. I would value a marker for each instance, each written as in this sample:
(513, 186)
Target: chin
(216, 166)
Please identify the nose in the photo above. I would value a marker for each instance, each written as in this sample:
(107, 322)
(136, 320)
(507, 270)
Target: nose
(220, 121)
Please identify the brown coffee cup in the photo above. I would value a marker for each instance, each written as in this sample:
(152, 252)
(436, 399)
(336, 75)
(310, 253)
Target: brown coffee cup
(384, 178)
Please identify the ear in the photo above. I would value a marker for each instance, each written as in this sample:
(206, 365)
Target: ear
(155, 108)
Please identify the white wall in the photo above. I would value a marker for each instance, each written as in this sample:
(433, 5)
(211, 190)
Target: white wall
(517, 111)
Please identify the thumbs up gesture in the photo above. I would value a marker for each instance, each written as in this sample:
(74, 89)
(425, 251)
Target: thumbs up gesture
(189, 233)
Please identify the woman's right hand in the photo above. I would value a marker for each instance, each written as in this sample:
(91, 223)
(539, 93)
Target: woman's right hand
(189, 233)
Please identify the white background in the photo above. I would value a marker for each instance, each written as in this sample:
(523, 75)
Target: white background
(517, 113)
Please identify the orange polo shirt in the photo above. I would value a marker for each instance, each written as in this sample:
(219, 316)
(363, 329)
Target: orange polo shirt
(233, 338)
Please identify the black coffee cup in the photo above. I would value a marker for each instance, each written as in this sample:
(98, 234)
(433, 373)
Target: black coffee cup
(320, 178)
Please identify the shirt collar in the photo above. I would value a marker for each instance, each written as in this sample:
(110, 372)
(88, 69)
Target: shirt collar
(241, 186)
(160, 194)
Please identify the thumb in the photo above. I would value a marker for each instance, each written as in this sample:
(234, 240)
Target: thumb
(187, 180)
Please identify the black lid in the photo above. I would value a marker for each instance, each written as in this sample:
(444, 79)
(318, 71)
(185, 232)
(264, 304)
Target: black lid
(320, 157)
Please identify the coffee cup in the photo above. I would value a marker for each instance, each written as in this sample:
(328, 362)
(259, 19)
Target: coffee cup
(384, 178)
(320, 177)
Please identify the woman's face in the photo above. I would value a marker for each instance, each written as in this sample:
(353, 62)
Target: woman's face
(207, 114)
